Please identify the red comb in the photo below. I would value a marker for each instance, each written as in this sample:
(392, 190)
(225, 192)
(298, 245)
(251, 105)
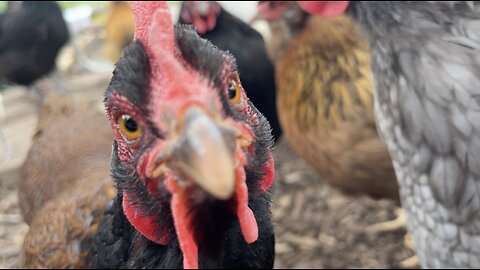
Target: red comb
(153, 25)
(154, 29)
(324, 8)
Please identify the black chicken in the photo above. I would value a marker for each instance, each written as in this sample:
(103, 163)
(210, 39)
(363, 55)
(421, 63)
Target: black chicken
(31, 35)
(426, 64)
(227, 32)
(191, 159)
(191, 156)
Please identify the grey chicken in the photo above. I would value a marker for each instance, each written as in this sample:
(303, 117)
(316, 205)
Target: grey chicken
(426, 65)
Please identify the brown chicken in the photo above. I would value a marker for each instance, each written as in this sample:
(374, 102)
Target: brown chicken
(70, 154)
(325, 99)
(119, 29)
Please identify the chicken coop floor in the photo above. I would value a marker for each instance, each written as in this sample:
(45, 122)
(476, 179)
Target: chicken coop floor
(316, 225)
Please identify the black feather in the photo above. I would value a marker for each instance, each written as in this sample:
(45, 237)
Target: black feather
(111, 247)
(131, 75)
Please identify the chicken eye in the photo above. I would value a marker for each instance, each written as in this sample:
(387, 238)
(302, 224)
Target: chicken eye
(129, 128)
(234, 92)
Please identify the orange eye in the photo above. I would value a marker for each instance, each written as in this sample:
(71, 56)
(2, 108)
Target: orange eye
(234, 92)
(129, 128)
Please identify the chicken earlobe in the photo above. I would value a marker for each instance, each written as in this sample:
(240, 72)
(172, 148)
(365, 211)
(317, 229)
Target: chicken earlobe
(145, 224)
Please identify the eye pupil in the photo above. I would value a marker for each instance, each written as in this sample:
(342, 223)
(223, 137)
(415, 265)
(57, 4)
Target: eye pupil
(234, 94)
(130, 129)
(130, 124)
(232, 91)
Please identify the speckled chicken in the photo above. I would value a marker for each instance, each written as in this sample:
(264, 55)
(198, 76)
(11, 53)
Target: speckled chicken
(426, 65)
(65, 179)
(325, 99)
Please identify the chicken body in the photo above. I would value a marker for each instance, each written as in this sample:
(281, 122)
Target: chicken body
(229, 33)
(119, 28)
(325, 102)
(65, 185)
(426, 64)
(30, 38)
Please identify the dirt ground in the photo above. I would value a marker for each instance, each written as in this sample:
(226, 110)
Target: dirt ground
(320, 227)
(317, 226)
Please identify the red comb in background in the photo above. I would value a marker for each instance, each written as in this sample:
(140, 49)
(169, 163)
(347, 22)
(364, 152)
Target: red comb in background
(324, 8)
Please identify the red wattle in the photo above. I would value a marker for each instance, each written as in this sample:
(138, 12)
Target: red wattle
(324, 8)
(188, 245)
(146, 225)
(248, 223)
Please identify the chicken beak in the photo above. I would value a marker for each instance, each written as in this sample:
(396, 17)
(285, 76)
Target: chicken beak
(204, 153)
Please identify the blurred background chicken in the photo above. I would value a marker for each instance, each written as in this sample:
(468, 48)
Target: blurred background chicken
(325, 99)
(69, 155)
(119, 29)
(31, 36)
(77, 149)
(228, 32)
(426, 63)
(32, 33)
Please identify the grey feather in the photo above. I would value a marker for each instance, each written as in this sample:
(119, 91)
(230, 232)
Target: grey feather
(427, 76)
(447, 180)
(421, 159)
(460, 121)
(474, 155)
